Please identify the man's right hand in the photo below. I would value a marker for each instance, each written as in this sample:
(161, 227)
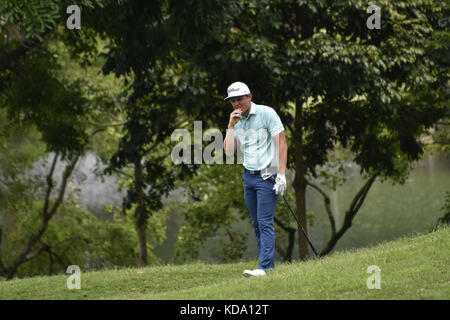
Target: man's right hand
(234, 118)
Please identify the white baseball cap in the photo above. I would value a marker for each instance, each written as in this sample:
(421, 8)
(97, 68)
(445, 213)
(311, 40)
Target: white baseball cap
(237, 89)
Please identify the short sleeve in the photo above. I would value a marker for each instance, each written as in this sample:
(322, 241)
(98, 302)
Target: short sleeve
(273, 122)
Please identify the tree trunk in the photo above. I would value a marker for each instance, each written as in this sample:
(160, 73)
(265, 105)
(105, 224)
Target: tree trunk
(140, 214)
(300, 182)
(142, 236)
(351, 212)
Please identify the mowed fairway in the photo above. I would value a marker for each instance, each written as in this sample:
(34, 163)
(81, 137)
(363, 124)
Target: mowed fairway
(411, 268)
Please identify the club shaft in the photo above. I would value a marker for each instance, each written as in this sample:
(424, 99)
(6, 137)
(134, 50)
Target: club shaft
(301, 227)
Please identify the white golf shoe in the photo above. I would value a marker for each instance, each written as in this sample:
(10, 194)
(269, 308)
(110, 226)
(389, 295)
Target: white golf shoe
(254, 273)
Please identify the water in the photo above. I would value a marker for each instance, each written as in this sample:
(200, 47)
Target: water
(389, 211)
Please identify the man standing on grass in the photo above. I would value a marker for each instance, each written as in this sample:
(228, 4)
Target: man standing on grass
(257, 130)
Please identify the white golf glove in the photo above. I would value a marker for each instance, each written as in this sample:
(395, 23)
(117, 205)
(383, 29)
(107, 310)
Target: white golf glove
(280, 184)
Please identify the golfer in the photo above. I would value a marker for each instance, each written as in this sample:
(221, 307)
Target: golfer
(259, 134)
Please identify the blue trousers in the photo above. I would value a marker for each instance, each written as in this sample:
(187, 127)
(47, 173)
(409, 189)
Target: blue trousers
(261, 202)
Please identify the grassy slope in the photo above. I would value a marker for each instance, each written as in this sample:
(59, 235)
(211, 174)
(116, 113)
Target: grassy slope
(411, 268)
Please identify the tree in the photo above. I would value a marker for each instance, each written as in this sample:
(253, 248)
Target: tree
(36, 94)
(147, 52)
(72, 235)
(150, 43)
(333, 81)
(32, 245)
(214, 202)
(438, 48)
(336, 82)
(26, 61)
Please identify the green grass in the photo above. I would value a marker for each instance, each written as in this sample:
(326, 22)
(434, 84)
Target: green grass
(411, 268)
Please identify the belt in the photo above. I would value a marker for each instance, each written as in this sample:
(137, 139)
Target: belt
(257, 171)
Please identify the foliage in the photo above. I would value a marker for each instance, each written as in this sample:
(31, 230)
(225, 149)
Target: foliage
(445, 219)
(74, 236)
(373, 92)
(438, 47)
(33, 94)
(151, 52)
(215, 201)
(357, 78)
(55, 106)
(42, 90)
(155, 230)
(33, 19)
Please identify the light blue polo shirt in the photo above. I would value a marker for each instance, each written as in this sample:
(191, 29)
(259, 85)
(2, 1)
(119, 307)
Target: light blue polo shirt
(254, 134)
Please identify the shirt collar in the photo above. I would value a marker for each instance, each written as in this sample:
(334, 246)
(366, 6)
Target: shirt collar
(252, 111)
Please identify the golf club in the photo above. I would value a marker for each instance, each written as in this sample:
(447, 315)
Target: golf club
(301, 227)
(299, 224)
